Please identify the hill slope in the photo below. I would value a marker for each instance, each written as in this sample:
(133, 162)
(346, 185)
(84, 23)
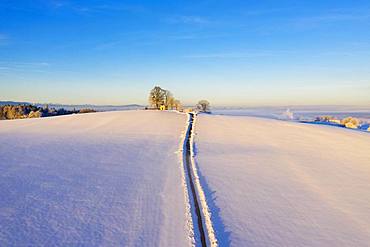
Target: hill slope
(110, 179)
(275, 183)
(115, 179)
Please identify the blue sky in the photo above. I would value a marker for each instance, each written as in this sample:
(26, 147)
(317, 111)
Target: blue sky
(229, 52)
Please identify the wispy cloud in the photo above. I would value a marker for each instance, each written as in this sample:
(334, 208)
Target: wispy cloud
(237, 55)
(259, 12)
(109, 44)
(58, 3)
(188, 19)
(120, 7)
(24, 66)
(101, 8)
(4, 39)
(273, 53)
(147, 38)
(336, 17)
(196, 36)
(333, 16)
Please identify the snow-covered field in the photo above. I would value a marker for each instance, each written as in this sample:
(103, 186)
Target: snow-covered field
(298, 113)
(99, 179)
(117, 179)
(276, 183)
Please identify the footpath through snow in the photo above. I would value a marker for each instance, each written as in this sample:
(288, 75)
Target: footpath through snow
(200, 215)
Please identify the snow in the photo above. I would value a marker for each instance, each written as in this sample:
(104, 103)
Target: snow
(98, 179)
(205, 211)
(278, 183)
(118, 179)
(308, 113)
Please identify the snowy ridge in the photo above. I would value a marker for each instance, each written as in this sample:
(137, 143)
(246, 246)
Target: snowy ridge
(181, 153)
(206, 213)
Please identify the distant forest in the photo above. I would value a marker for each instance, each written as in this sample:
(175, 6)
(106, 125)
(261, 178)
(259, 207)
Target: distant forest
(32, 111)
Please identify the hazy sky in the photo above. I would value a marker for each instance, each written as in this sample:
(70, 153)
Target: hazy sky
(247, 52)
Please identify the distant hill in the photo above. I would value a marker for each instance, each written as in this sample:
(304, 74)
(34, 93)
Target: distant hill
(79, 107)
(14, 103)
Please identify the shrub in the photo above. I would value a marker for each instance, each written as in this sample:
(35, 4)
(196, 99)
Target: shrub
(86, 110)
(350, 120)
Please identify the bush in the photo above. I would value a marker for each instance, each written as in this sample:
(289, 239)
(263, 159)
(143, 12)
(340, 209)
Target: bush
(35, 114)
(351, 120)
(86, 110)
(324, 118)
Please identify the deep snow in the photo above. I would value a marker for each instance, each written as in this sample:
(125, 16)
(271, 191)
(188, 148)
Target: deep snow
(277, 183)
(107, 179)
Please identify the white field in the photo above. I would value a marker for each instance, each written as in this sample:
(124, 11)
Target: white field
(100, 179)
(275, 183)
(116, 179)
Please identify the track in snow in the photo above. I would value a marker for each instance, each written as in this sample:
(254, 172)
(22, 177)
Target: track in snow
(189, 172)
(199, 205)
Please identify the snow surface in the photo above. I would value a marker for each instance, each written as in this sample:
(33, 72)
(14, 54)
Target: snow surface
(117, 179)
(308, 113)
(98, 179)
(278, 183)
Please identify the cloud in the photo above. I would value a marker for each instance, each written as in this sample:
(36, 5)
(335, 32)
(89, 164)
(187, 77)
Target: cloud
(195, 36)
(236, 55)
(58, 3)
(4, 39)
(148, 38)
(333, 16)
(336, 17)
(265, 11)
(277, 53)
(107, 45)
(24, 66)
(188, 19)
(102, 8)
(126, 7)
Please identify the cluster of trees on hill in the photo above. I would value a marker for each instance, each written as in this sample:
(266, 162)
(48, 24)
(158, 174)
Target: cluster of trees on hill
(160, 97)
(31, 111)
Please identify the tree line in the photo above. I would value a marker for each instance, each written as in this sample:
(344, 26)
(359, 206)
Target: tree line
(32, 111)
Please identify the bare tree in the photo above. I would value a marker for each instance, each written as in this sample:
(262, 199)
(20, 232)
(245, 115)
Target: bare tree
(171, 103)
(204, 106)
(157, 97)
(169, 100)
(177, 105)
(160, 97)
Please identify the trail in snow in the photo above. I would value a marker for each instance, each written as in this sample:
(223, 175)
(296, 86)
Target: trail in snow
(200, 209)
